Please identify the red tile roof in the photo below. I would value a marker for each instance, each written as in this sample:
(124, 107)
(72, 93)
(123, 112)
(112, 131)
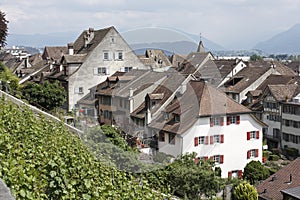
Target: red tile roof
(271, 187)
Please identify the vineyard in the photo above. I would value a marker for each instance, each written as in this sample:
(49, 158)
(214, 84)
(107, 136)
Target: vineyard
(41, 159)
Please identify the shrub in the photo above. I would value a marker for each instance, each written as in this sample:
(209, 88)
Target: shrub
(274, 157)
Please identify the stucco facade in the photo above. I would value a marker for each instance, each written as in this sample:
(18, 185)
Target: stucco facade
(110, 55)
(234, 146)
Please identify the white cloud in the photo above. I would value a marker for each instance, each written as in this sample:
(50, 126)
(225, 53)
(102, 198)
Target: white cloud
(231, 23)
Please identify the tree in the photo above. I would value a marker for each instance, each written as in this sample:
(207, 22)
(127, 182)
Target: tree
(48, 95)
(256, 57)
(9, 81)
(255, 171)
(245, 191)
(187, 179)
(3, 29)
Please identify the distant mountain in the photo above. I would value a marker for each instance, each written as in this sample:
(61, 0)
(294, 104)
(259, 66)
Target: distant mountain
(41, 40)
(62, 38)
(179, 47)
(286, 42)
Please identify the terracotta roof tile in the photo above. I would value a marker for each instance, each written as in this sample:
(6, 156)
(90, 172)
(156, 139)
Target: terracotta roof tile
(271, 187)
(79, 44)
(199, 100)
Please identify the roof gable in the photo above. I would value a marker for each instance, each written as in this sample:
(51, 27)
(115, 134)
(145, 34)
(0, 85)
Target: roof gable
(95, 37)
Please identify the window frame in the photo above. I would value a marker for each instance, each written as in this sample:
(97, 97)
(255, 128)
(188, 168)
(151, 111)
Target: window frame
(105, 55)
(172, 137)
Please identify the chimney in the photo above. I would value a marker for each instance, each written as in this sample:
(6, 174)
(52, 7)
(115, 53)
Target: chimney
(89, 35)
(130, 92)
(71, 48)
(130, 100)
(291, 179)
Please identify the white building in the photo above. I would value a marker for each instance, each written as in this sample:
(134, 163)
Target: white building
(291, 123)
(206, 121)
(95, 55)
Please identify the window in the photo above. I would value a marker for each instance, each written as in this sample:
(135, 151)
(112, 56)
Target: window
(252, 135)
(166, 116)
(112, 39)
(218, 159)
(78, 90)
(121, 103)
(216, 121)
(127, 69)
(201, 140)
(161, 136)
(171, 138)
(233, 120)
(253, 153)
(217, 139)
(276, 133)
(105, 56)
(176, 118)
(153, 103)
(101, 70)
(107, 114)
(120, 55)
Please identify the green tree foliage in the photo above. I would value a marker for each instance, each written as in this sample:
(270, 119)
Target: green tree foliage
(9, 81)
(109, 147)
(40, 159)
(3, 29)
(48, 95)
(186, 178)
(256, 57)
(245, 191)
(255, 171)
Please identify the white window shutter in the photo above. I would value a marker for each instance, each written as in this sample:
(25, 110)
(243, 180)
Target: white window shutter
(95, 70)
(76, 90)
(107, 71)
(122, 69)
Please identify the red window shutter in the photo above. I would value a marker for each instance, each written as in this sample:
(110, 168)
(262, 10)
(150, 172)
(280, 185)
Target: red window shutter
(248, 135)
(206, 139)
(222, 121)
(196, 160)
(256, 152)
(238, 119)
(228, 120)
(205, 158)
(211, 122)
(229, 174)
(257, 134)
(221, 159)
(222, 138)
(240, 174)
(248, 154)
(196, 141)
(211, 139)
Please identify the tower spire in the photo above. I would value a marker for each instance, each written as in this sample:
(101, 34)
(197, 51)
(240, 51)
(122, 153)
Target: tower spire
(200, 48)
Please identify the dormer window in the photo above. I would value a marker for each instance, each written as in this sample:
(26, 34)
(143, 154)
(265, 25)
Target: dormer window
(166, 116)
(153, 103)
(176, 118)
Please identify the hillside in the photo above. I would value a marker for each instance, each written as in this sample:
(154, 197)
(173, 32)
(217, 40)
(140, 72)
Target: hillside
(285, 42)
(40, 159)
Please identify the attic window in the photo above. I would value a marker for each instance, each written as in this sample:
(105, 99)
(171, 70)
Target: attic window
(177, 118)
(153, 103)
(233, 81)
(166, 116)
(112, 39)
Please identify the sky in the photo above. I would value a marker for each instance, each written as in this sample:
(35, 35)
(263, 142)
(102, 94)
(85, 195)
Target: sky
(234, 24)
